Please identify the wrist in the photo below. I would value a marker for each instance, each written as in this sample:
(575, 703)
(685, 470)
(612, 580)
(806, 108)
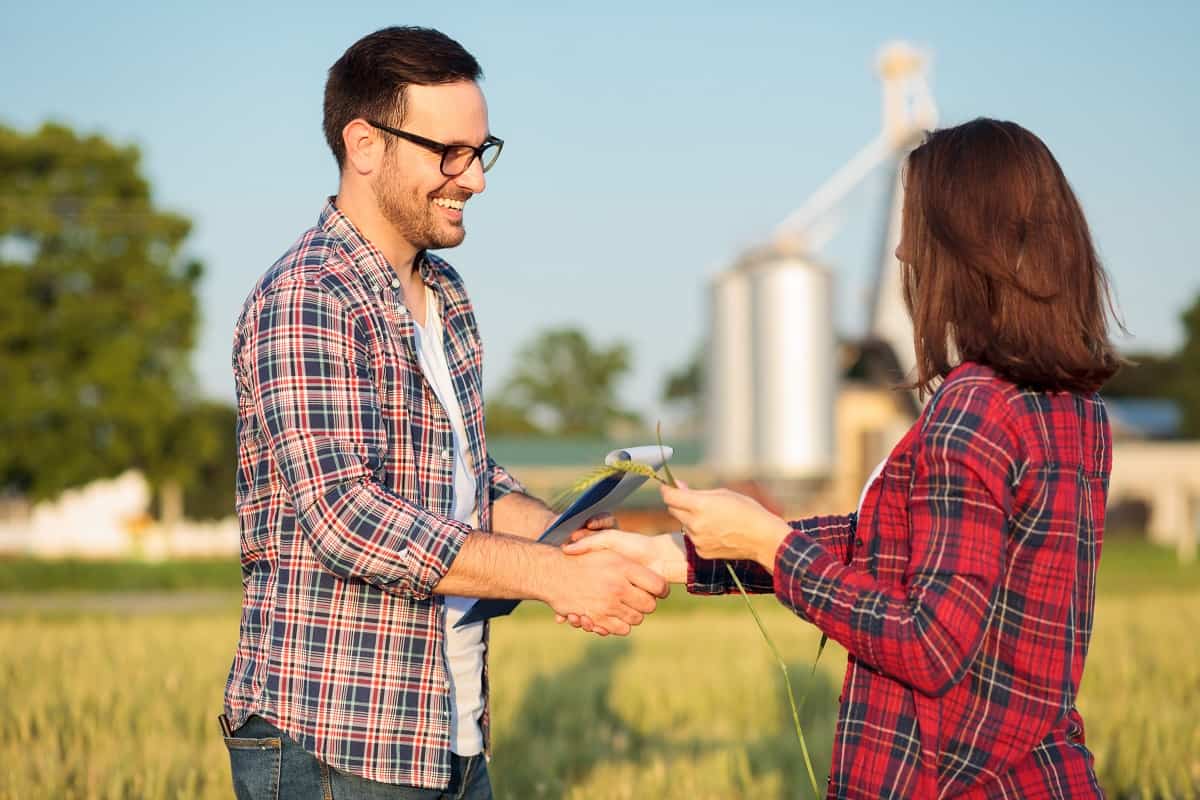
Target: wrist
(671, 557)
(552, 567)
(771, 541)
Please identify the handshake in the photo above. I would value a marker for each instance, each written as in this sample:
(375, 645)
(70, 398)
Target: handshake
(613, 578)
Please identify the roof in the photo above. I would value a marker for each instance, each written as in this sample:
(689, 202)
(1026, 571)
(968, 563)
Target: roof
(1144, 418)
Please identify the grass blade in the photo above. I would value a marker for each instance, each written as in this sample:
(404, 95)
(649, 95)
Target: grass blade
(787, 681)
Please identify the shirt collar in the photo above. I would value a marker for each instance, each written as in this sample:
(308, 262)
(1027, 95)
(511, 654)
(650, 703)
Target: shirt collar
(366, 257)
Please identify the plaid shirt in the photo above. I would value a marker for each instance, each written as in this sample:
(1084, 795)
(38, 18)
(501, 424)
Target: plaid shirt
(964, 596)
(345, 497)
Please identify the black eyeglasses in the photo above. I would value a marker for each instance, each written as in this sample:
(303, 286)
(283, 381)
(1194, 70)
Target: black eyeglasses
(456, 158)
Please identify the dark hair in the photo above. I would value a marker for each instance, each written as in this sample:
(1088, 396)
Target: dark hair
(370, 78)
(1003, 268)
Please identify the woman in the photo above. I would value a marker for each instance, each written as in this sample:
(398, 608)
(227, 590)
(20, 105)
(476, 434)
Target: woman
(963, 587)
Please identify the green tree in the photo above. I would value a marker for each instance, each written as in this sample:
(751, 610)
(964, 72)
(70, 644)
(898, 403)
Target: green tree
(1147, 375)
(99, 313)
(201, 457)
(1187, 376)
(685, 386)
(571, 385)
(506, 419)
(1175, 376)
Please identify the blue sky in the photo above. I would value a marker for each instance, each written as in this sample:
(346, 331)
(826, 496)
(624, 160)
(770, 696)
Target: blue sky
(644, 148)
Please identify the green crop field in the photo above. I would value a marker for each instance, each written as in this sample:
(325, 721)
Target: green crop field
(116, 700)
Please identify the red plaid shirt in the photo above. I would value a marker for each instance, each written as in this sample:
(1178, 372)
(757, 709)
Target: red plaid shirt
(964, 596)
(345, 493)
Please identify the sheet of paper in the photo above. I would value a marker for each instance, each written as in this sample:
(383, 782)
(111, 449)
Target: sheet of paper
(604, 496)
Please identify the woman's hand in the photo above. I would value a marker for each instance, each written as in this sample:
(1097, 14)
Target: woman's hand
(664, 554)
(726, 525)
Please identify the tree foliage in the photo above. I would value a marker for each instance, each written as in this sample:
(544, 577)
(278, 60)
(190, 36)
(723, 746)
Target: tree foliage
(99, 315)
(201, 455)
(1175, 376)
(503, 418)
(684, 386)
(1147, 375)
(564, 385)
(1187, 378)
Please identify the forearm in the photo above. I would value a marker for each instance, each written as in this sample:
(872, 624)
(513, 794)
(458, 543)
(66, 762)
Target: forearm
(359, 530)
(923, 635)
(522, 515)
(501, 566)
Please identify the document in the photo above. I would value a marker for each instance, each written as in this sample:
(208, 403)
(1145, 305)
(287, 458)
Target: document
(605, 495)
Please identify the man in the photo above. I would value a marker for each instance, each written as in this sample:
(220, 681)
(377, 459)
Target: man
(364, 482)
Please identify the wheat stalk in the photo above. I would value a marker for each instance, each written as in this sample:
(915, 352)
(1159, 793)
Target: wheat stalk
(622, 467)
(787, 681)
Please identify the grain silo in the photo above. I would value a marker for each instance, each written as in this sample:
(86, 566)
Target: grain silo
(770, 377)
(728, 395)
(771, 372)
(794, 379)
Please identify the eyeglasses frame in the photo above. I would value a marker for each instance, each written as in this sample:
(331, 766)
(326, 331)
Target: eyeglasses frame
(444, 149)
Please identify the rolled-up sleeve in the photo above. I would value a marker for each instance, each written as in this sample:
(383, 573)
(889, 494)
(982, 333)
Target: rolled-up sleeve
(926, 632)
(320, 412)
(709, 576)
(501, 481)
(706, 576)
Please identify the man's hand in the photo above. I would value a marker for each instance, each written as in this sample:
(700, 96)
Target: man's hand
(598, 522)
(608, 590)
(663, 554)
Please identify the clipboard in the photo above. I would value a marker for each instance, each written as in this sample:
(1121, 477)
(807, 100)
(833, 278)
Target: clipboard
(605, 495)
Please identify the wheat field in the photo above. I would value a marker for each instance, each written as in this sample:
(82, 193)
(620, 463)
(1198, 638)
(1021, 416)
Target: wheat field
(121, 704)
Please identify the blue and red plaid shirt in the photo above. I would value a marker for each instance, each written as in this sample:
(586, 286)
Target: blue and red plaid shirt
(963, 592)
(345, 496)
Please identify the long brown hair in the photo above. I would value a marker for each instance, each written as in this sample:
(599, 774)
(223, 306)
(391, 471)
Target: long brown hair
(999, 262)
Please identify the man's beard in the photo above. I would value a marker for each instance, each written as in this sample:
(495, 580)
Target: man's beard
(412, 214)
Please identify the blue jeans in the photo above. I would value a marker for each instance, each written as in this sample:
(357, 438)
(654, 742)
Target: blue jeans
(268, 765)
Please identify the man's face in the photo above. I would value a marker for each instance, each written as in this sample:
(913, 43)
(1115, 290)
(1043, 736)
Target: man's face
(425, 206)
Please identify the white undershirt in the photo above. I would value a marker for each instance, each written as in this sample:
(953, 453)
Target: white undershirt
(464, 646)
(875, 473)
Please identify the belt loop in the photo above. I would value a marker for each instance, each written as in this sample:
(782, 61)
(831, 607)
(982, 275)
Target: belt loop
(226, 729)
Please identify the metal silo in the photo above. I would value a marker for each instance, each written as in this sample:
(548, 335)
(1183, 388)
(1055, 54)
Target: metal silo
(794, 373)
(771, 377)
(728, 408)
(889, 320)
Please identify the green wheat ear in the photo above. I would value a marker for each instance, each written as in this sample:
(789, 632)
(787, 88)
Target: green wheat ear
(637, 468)
(595, 476)
(582, 485)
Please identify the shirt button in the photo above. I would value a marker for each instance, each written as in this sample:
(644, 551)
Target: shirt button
(446, 454)
(395, 283)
